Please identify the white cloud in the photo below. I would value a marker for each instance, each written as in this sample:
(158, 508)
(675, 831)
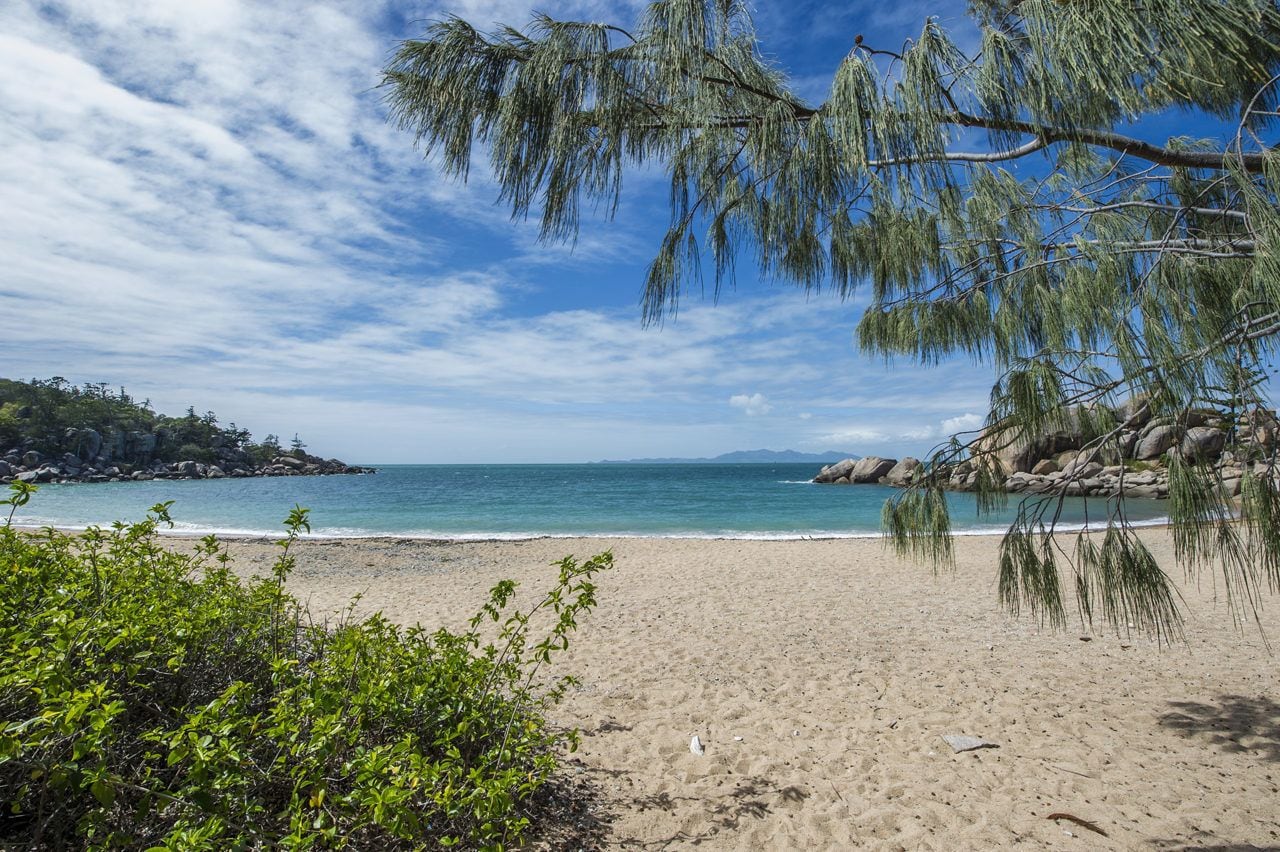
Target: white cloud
(948, 427)
(850, 437)
(202, 202)
(752, 404)
(963, 423)
(894, 433)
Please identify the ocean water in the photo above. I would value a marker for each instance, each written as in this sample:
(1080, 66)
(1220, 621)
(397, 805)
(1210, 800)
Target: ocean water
(519, 501)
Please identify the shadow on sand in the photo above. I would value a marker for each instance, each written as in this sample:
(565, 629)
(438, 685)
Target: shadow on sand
(570, 812)
(1234, 723)
(1171, 846)
(748, 800)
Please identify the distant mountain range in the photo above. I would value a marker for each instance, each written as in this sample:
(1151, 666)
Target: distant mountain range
(747, 457)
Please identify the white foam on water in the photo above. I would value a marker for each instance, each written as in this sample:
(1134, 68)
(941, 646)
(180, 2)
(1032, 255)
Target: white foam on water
(189, 529)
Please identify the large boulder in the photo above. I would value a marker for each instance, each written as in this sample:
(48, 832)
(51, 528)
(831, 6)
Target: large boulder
(1020, 453)
(113, 445)
(1155, 441)
(84, 444)
(32, 459)
(1201, 417)
(231, 455)
(902, 472)
(832, 472)
(139, 447)
(1134, 412)
(963, 480)
(90, 443)
(870, 469)
(1260, 426)
(1082, 467)
(1149, 492)
(1019, 481)
(1203, 443)
(1044, 467)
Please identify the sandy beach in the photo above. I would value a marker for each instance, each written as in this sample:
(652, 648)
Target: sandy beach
(822, 676)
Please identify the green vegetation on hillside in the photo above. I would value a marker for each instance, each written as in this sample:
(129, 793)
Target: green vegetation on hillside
(39, 414)
(150, 698)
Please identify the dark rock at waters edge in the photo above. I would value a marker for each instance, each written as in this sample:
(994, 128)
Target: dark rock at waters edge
(837, 472)
(869, 469)
(31, 466)
(1062, 462)
(866, 469)
(902, 473)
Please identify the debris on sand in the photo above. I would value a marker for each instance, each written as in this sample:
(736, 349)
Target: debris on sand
(960, 742)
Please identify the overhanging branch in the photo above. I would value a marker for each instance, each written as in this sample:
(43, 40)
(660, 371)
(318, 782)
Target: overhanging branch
(1250, 162)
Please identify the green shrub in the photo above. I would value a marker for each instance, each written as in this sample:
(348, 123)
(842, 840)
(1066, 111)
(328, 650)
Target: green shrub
(152, 699)
(191, 452)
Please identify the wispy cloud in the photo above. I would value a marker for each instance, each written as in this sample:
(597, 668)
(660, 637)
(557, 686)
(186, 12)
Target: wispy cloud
(204, 203)
(898, 433)
(753, 405)
(851, 436)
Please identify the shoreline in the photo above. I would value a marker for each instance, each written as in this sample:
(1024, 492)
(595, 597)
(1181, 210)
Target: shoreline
(499, 538)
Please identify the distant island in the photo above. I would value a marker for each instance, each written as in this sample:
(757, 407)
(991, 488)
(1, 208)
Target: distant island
(746, 457)
(54, 431)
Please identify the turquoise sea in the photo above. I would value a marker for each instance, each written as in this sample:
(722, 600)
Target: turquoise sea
(519, 501)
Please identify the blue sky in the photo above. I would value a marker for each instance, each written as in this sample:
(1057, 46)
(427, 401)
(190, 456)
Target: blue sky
(203, 203)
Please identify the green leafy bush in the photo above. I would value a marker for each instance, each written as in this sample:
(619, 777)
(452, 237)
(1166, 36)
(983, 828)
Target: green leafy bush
(191, 452)
(153, 699)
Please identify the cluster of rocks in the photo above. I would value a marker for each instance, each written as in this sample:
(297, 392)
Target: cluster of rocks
(1068, 462)
(124, 457)
(871, 469)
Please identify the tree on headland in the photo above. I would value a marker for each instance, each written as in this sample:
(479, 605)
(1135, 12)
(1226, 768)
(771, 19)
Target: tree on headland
(1010, 204)
(52, 416)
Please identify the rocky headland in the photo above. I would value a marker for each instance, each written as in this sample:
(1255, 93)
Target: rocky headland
(89, 456)
(54, 431)
(1072, 462)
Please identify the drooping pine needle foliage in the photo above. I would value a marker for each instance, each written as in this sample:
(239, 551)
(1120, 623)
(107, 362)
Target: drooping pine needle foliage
(1003, 204)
